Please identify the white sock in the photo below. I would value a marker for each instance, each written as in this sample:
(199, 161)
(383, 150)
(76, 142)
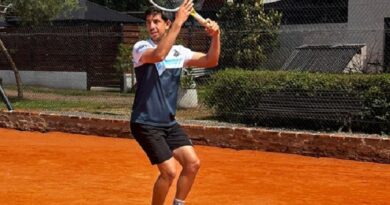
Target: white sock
(178, 202)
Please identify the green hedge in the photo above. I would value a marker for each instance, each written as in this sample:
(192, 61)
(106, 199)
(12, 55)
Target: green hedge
(232, 91)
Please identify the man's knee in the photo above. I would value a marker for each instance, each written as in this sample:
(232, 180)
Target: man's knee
(192, 166)
(168, 174)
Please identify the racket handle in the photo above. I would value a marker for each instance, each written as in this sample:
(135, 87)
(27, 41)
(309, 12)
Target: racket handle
(199, 18)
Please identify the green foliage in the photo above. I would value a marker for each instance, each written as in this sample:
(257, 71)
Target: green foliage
(124, 63)
(123, 5)
(232, 91)
(33, 12)
(187, 80)
(249, 34)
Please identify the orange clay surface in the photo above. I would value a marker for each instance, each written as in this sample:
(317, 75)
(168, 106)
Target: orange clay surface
(62, 169)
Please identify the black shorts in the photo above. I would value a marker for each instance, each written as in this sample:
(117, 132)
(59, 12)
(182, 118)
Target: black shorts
(159, 142)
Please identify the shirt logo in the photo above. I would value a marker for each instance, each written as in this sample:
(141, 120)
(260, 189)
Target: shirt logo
(175, 53)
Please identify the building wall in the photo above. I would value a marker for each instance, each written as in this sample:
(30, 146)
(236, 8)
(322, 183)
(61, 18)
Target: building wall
(368, 18)
(365, 26)
(292, 36)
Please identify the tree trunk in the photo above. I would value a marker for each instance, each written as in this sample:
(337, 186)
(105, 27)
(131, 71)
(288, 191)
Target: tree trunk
(14, 68)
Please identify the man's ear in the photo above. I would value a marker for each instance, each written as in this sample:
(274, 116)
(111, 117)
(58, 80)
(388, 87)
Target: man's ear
(168, 23)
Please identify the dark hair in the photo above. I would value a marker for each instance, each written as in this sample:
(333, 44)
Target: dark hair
(154, 11)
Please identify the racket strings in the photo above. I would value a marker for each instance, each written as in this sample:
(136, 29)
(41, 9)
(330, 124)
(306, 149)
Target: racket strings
(168, 4)
(175, 4)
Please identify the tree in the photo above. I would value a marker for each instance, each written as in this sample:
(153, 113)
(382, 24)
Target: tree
(124, 59)
(123, 5)
(249, 33)
(33, 12)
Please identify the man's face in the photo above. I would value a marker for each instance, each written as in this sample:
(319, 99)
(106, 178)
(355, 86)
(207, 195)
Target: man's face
(156, 26)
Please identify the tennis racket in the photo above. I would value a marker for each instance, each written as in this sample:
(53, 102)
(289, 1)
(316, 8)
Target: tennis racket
(173, 6)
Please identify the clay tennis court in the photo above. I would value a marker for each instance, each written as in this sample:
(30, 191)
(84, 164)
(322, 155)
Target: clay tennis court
(59, 168)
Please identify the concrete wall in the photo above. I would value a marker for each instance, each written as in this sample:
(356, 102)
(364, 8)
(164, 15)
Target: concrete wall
(71, 80)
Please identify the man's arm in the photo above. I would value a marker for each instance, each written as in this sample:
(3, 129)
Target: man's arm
(153, 55)
(164, 46)
(212, 57)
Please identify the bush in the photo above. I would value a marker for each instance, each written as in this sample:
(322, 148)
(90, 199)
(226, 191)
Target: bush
(232, 92)
(124, 61)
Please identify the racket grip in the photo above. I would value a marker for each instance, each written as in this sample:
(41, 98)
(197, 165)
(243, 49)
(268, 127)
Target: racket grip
(199, 18)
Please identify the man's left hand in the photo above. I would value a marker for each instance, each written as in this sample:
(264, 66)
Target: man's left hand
(212, 28)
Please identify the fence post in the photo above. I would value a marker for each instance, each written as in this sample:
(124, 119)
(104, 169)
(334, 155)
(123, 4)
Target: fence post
(4, 97)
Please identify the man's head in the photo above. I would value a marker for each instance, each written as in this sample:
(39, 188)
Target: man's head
(157, 23)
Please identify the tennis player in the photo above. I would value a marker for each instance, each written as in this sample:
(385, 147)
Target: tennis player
(158, 63)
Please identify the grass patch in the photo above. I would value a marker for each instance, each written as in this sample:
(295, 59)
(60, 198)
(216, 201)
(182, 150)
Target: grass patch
(94, 102)
(68, 92)
(57, 105)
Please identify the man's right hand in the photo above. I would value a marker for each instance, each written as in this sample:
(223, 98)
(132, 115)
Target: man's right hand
(184, 12)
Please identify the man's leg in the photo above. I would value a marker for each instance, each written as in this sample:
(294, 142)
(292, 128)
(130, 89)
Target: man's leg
(164, 181)
(190, 162)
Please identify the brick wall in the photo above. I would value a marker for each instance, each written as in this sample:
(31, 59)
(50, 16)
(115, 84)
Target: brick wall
(367, 148)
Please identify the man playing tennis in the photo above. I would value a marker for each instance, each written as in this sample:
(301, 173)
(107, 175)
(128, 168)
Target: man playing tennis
(158, 63)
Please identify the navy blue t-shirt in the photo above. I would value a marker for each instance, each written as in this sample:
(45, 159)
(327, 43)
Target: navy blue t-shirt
(157, 85)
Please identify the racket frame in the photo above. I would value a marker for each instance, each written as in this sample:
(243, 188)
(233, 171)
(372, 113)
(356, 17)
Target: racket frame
(193, 13)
